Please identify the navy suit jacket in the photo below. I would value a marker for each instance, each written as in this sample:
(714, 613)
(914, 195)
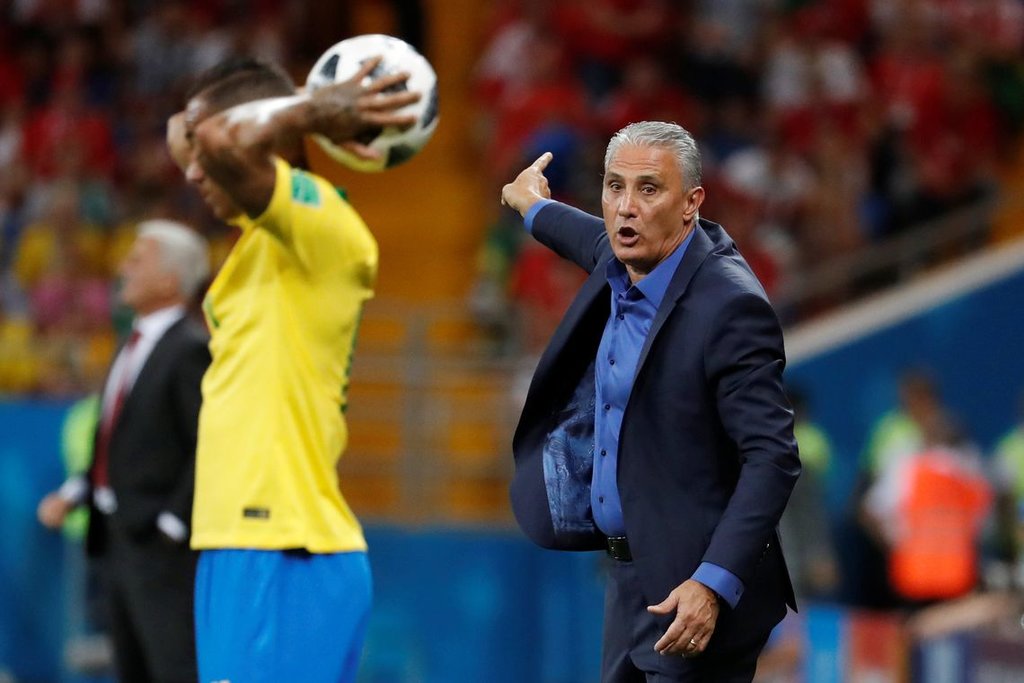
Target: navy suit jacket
(707, 457)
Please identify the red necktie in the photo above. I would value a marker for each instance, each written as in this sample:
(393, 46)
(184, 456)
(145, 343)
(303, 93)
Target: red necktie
(101, 458)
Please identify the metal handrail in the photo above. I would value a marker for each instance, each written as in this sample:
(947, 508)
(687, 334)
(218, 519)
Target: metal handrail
(898, 257)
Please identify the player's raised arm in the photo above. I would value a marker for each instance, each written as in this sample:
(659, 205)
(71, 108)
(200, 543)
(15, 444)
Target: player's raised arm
(234, 147)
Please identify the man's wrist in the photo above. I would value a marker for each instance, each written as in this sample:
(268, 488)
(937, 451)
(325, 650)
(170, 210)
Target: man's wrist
(322, 114)
(532, 210)
(720, 581)
(261, 111)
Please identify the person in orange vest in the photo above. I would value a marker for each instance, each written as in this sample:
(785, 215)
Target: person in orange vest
(929, 509)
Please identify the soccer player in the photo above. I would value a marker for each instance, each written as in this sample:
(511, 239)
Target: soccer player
(283, 584)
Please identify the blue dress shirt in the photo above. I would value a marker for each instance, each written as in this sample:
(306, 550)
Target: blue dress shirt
(633, 308)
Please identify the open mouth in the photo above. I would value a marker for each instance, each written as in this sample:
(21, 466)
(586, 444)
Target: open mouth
(627, 236)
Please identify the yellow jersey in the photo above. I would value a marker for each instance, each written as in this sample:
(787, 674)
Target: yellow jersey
(283, 313)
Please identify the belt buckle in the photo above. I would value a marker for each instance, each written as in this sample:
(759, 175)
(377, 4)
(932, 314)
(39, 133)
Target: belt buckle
(618, 548)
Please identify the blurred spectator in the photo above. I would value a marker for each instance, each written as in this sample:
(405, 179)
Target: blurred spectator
(1008, 466)
(905, 430)
(19, 362)
(919, 420)
(60, 265)
(81, 63)
(603, 34)
(489, 300)
(646, 93)
(812, 79)
(733, 24)
(68, 125)
(29, 76)
(14, 188)
(58, 14)
(805, 528)
(12, 121)
(833, 212)
(929, 510)
(60, 241)
(764, 193)
(731, 127)
(716, 55)
(163, 49)
(518, 24)
(545, 96)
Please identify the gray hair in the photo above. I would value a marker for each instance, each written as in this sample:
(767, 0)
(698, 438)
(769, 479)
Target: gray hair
(670, 136)
(182, 252)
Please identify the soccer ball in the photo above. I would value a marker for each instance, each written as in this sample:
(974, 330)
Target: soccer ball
(343, 60)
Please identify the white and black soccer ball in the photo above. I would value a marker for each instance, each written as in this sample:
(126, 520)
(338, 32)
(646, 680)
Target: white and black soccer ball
(343, 60)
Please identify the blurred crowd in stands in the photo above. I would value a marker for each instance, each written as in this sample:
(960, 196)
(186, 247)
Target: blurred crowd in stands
(825, 126)
(85, 89)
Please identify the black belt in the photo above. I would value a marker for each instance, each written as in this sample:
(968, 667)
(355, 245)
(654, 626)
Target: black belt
(618, 548)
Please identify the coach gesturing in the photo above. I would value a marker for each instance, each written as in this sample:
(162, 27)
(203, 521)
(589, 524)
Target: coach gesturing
(656, 426)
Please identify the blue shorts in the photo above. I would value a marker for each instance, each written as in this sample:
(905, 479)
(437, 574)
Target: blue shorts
(271, 615)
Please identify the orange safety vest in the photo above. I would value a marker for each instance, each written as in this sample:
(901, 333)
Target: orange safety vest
(934, 555)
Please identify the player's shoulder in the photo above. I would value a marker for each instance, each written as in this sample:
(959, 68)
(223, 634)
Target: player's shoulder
(188, 332)
(312, 191)
(196, 331)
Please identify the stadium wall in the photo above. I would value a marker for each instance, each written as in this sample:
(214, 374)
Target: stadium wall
(962, 325)
(450, 604)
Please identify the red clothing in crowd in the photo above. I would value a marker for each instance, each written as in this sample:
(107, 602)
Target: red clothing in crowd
(63, 127)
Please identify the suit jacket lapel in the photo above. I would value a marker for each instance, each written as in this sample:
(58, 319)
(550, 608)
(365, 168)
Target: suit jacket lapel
(700, 246)
(149, 367)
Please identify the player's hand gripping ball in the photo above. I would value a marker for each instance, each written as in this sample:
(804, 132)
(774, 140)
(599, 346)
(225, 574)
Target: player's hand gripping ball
(343, 60)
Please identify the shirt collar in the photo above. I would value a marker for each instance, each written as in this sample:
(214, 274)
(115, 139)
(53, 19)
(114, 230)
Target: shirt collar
(153, 325)
(654, 286)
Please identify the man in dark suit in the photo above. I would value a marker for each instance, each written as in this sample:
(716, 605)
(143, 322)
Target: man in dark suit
(656, 426)
(139, 487)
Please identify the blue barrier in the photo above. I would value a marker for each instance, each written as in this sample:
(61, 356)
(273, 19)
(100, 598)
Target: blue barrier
(450, 605)
(480, 606)
(31, 566)
(972, 346)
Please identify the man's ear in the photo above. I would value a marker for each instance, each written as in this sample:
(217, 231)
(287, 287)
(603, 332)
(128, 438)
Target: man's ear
(694, 198)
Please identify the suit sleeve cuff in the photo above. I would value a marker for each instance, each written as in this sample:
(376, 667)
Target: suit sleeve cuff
(722, 581)
(172, 527)
(532, 213)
